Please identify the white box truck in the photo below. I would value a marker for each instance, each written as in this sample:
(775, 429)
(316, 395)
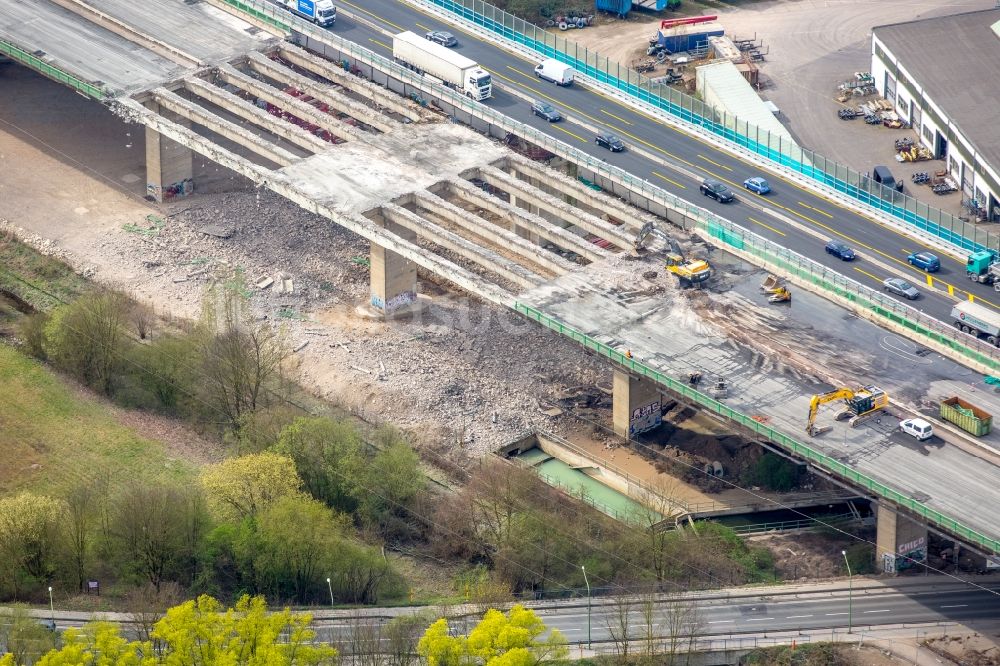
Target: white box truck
(452, 69)
(977, 320)
(320, 12)
(557, 72)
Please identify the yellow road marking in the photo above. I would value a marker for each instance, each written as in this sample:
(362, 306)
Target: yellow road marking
(383, 45)
(669, 180)
(864, 272)
(574, 134)
(721, 166)
(821, 212)
(766, 226)
(423, 27)
(615, 117)
(375, 16)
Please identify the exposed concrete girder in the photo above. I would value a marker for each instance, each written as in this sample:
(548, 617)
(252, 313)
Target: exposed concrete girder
(274, 181)
(534, 223)
(328, 70)
(486, 258)
(492, 233)
(254, 114)
(570, 214)
(633, 218)
(297, 107)
(126, 31)
(223, 127)
(320, 91)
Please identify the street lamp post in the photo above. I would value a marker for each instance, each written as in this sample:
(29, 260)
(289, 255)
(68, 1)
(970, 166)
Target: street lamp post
(52, 611)
(850, 593)
(584, 570)
(329, 586)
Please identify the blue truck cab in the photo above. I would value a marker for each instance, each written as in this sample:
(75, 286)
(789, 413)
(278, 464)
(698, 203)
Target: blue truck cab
(321, 12)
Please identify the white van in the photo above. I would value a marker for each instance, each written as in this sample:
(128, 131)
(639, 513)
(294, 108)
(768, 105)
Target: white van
(917, 428)
(558, 73)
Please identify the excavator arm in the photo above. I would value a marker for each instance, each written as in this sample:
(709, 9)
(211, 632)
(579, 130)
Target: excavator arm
(822, 398)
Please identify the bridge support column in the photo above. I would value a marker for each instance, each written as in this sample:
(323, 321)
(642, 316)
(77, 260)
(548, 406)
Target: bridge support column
(169, 165)
(635, 404)
(901, 541)
(393, 278)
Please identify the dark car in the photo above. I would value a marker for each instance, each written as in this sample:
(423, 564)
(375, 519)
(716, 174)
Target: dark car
(610, 141)
(717, 190)
(442, 37)
(546, 111)
(840, 250)
(925, 261)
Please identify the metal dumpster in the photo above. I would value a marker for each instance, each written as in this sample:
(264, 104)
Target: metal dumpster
(966, 416)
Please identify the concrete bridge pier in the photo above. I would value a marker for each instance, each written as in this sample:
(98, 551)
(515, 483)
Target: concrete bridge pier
(901, 541)
(635, 405)
(169, 165)
(393, 277)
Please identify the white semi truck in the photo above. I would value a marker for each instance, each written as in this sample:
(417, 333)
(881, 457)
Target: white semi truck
(451, 68)
(977, 320)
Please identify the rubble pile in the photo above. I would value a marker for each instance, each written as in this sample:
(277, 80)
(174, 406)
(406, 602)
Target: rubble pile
(471, 373)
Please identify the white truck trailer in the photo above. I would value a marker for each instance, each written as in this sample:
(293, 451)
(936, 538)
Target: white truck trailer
(451, 68)
(977, 320)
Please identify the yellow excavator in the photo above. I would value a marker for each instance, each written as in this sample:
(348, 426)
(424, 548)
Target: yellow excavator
(689, 273)
(862, 404)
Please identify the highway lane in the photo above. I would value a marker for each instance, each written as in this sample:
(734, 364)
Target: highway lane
(790, 215)
(712, 615)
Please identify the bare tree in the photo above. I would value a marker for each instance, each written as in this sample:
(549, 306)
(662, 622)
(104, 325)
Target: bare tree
(619, 623)
(146, 605)
(364, 643)
(240, 357)
(81, 518)
(682, 625)
(142, 317)
(401, 637)
(651, 645)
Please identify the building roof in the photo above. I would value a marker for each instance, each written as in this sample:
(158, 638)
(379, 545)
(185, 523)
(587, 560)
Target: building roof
(956, 59)
(723, 86)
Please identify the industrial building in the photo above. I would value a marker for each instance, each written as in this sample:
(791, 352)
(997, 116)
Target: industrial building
(940, 74)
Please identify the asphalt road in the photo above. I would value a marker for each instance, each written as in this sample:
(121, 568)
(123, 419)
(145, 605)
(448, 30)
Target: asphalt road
(789, 215)
(713, 615)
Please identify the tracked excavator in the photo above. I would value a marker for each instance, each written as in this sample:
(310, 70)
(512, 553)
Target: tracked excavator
(862, 404)
(689, 272)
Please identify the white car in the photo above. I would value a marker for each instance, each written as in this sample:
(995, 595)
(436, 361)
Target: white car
(917, 428)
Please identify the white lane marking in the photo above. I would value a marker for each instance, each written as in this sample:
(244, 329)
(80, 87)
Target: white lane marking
(885, 610)
(955, 606)
(793, 617)
(718, 621)
(836, 613)
(759, 619)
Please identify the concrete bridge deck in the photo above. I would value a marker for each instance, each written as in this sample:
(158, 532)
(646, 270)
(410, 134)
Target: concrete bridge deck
(405, 187)
(678, 332)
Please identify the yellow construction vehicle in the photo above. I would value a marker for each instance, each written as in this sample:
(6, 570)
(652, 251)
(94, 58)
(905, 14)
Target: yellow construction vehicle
(861, 404)
(689, 273)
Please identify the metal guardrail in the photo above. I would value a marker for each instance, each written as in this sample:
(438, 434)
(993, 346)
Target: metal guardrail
(788, 525)
(777, 148)
(51, 71)
(781, 502)
(727, 232)
(771, 434)
(770, 255)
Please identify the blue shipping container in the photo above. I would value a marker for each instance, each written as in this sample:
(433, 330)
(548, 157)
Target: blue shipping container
(678, 43)
(619, 7)
(307, 7)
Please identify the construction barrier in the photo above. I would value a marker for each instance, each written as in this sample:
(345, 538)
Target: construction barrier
(51, 71)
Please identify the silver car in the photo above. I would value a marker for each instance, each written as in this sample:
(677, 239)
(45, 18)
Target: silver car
(901, 287)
